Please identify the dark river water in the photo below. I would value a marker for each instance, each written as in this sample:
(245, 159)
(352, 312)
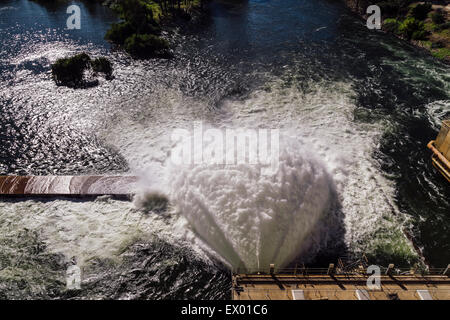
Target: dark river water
(365, 103)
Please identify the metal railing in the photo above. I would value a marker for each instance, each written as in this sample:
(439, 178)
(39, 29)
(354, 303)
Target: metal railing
(357, 270)
(337, 294)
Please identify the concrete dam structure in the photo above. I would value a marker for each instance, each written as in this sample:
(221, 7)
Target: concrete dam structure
(340, 283)
(68, 185)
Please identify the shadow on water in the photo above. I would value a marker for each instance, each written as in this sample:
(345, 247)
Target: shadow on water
(155, 270)
(331, 227)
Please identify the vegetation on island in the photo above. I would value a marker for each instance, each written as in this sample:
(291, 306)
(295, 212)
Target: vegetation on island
(139, 32)
(71, 71)
(426, 24)
(102, 65)
(146, 45)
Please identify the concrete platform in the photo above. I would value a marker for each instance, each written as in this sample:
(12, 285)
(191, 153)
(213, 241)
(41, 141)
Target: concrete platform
(339, 287)
(68, 185)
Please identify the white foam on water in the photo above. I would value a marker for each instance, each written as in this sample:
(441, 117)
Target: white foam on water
(87, 229)
(7, 8)
(231, 209)
(323, 120)
(252, 218)
(329, 153)
(438, 111)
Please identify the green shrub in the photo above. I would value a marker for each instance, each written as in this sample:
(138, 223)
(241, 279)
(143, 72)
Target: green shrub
(391, 25)
(419, 35)
(69, 71)
(442, 53)
(411, 26)
(443, 26)
(420, 11)
(437, 45)
(119, 32)
(102, 65)
(393, 8)
(389, 8)
(146, 45)
(139, 14)
(435, 27)
(437, 17)
(134, 33)
(135, 12)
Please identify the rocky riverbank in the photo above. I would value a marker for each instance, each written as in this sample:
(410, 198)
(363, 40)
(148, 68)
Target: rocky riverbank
(424, 24)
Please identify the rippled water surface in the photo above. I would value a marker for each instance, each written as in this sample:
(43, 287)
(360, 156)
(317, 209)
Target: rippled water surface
(362, 102)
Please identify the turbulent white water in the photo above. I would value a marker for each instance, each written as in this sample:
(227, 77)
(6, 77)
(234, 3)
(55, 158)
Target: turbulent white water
(247, 219)
(322, 120)
(253, 219)
(437, 112)
(250, 219)
(84, 229)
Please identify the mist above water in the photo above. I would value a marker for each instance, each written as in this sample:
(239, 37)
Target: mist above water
(251, 218)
